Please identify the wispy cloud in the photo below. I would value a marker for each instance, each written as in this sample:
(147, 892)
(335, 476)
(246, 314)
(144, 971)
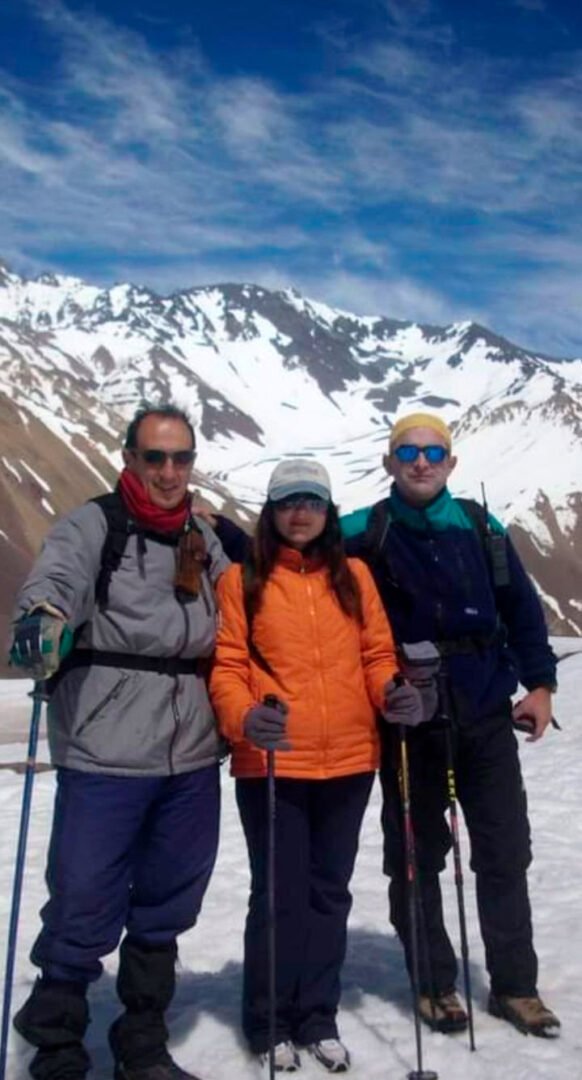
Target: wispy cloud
(531, 5)
(420, 178)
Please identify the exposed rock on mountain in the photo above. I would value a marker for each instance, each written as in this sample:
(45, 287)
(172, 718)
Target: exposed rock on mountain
(265, 374)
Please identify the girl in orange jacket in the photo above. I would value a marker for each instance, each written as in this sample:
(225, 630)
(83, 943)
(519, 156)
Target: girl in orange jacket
(303, 623)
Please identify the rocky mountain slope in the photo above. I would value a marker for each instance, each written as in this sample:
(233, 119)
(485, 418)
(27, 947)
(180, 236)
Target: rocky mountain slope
(265, 374)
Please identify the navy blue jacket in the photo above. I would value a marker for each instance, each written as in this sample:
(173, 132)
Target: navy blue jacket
(435, 582)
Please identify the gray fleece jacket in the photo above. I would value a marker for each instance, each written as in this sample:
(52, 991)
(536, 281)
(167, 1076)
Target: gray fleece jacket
(115, 720)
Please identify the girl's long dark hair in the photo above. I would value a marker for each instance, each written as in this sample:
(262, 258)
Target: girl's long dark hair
(328, 546)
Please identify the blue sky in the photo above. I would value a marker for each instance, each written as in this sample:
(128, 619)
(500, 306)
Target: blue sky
(420, 159)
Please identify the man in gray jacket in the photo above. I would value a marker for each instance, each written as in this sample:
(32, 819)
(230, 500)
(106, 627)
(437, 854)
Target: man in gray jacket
(127, 581)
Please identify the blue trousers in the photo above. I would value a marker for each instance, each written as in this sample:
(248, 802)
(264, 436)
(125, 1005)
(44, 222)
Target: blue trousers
(316, 834)
(133, 853)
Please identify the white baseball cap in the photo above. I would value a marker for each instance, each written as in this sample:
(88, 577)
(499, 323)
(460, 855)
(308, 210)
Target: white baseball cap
(299, 476)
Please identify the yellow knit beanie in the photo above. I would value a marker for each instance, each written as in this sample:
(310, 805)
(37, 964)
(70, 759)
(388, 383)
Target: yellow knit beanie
(420, 419)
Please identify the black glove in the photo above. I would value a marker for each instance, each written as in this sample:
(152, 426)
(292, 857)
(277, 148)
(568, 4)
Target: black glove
(265, 726)
(403, 704)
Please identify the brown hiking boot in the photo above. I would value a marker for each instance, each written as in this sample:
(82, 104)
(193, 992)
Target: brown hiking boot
(528, 1014)
(443, 1013)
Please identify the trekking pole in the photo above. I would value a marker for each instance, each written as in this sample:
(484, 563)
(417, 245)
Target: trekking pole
(39, 695)
(454, 819)
(411, 892)
(273, 702)
(271, 923)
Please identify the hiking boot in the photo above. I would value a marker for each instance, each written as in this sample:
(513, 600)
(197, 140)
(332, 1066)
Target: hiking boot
(332, 1054)
(164, 1070)
(286, 1058)
(54, 1019)
(528, 1014)
(443, 1012)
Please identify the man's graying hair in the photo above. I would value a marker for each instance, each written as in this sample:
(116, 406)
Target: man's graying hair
(168, 412)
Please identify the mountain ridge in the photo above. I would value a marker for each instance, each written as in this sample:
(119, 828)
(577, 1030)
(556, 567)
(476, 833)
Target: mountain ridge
(265, 374)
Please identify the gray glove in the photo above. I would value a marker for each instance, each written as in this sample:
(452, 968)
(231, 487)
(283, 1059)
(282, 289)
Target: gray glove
(265, 726)
(420, 664)
(403, 704)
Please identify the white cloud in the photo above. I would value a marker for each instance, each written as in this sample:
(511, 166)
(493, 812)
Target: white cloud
(408, 12)
(392, 296)
(531, 5)
(160, 170)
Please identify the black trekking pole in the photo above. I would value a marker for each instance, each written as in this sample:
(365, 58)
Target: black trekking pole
(271, 921)
(39, 695)
(273, 702)
(454, 821)
(411, 894)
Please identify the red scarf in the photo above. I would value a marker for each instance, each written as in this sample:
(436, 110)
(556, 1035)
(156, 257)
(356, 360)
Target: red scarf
(141, 508)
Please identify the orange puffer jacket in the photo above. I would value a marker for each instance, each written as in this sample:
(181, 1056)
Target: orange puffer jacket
(330, 670)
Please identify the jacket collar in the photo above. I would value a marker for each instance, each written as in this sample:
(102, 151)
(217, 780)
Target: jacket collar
(435, 514)
(295, 560)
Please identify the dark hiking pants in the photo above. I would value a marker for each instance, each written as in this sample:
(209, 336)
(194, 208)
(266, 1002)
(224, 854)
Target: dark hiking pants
(317, 828)
(125, 852)
(491, 793)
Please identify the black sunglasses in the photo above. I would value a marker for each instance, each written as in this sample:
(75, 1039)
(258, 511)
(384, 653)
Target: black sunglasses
(409, 453)
(179, 458)
(314, 503)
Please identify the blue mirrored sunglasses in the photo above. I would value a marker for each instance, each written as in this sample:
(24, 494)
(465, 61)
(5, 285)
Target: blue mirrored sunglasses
(408, 453)
(306, 502)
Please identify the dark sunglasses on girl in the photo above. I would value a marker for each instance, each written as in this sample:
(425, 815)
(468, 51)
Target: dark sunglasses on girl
(408, 453)
(159, 457)
(306, 502)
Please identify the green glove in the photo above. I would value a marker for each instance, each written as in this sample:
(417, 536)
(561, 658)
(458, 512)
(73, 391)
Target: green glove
(41, 640)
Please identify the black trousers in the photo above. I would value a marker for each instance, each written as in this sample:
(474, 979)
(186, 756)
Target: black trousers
(317, 828)
(491, 793)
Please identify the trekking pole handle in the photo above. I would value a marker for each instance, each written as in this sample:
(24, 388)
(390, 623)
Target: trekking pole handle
(273, 702)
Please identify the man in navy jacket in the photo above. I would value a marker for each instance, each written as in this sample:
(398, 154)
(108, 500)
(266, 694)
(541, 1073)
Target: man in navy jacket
(436, 580)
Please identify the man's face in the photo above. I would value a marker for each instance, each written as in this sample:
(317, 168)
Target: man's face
(165, 482)
(419, 481)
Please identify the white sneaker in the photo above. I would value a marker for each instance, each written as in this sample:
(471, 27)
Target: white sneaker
(332, 1054)
(286, 1058)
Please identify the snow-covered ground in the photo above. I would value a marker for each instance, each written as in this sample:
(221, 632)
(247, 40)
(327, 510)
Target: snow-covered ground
(375, 1015)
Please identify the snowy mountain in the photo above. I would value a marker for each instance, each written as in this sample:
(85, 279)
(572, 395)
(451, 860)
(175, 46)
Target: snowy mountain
(265, 374)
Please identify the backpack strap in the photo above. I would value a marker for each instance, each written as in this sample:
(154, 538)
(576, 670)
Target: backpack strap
(119, 528)
(493, 543)
(374, 548)
(379, 522)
